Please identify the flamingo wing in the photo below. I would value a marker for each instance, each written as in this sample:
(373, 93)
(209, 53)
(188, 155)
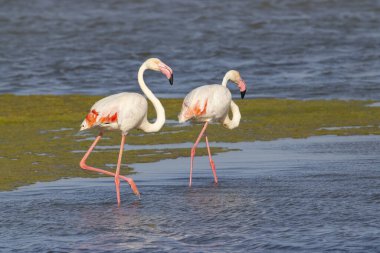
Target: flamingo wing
(196, 109)
(194, 105)
(100, 118)
(123, 111)
(208, 102)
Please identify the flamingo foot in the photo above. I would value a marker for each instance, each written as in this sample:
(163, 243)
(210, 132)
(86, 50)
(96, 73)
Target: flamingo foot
(133, 187)
(214, 171)
(117, 184)
(191, 165)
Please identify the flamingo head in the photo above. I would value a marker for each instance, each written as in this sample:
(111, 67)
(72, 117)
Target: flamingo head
(235, 77)
(84, 125)
(157, 65)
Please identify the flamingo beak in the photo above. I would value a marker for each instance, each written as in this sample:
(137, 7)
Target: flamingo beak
(243, 87)
(167, 71)
(242, 93)
(171, 79)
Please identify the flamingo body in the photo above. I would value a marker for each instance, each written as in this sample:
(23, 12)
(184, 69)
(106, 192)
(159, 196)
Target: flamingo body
(123, 111)
(206, 103)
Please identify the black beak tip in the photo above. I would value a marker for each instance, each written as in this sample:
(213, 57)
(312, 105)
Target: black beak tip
(171, 79)
(242, 93)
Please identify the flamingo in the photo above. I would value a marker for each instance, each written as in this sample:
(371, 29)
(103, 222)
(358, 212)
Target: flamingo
(210, 103)
(123, 112)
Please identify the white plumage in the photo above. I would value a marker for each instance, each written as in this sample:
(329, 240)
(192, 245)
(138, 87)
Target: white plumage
(212, 103)
(130, 109)
(213, 100)
(125, 111)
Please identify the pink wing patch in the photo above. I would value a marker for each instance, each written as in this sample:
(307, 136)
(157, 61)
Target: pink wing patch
(108, 118)
(92, 118)
(196, 110)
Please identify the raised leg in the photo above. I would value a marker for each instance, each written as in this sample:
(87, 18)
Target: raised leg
(211, 161)
(84, 166)
(193, 150)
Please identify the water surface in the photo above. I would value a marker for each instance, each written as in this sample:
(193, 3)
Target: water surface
(290, 48)
(317, 194)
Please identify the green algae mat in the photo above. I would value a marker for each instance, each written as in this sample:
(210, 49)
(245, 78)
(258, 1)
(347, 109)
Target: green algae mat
(39, 138)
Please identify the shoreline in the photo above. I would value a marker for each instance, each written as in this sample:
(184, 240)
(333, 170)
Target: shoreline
(40, 132)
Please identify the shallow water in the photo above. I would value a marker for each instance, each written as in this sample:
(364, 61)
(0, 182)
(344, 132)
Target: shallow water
(290, 48)
(315, 194)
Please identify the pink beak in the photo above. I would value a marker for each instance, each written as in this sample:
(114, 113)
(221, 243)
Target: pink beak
(242, 87)
(167, 71)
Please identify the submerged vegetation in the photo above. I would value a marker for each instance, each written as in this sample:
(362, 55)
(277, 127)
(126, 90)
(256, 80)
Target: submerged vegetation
(39, 138)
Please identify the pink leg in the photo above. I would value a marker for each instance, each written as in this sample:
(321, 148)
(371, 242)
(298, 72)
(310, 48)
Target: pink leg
(193, 150)
(211, 161)
(117, 174)
(84, 166)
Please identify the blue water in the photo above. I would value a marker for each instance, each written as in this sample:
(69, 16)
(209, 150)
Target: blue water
(309, 195)
(290, 48)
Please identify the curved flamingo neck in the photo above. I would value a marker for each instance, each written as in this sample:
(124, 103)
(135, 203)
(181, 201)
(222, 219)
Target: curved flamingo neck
(157, 125)
(226, 78)
(234, 122)
(236, 116)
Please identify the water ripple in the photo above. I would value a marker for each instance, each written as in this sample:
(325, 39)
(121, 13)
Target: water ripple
(292, 48)
(308, 195)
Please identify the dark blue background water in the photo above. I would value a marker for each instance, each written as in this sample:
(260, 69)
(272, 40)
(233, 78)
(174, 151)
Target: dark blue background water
(288, 48)
(315, 195)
